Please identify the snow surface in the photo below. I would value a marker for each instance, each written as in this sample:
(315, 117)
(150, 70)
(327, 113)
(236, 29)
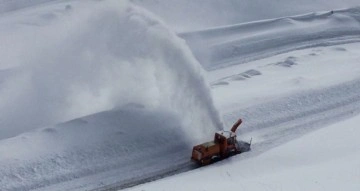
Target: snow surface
(188, 15)
(134, 99)
(294, 72)
(241, 43)
(112, 140)
(328, 159)
(280, 105)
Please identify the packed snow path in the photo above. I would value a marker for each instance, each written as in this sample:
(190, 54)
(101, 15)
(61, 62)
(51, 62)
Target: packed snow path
(326, 159)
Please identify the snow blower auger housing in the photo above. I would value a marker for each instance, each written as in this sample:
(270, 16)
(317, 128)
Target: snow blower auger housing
(223, 146)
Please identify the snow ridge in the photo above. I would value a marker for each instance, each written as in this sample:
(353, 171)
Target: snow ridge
(241, 43)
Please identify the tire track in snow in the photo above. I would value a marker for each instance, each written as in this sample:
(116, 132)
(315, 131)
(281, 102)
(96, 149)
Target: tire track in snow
(184, 167)
(288, 118)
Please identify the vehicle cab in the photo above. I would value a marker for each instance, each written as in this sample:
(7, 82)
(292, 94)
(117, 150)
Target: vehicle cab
(228, 143)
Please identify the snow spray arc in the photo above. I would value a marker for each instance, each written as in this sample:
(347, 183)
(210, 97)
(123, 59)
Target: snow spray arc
(104, 55)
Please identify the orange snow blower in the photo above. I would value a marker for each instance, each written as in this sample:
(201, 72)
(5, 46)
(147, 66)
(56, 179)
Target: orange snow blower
(223, 146)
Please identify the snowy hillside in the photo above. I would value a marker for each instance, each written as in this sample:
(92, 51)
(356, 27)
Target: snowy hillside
(236, 44)
(106, 95)
(106, 144)
(282, 99)
(188, 15)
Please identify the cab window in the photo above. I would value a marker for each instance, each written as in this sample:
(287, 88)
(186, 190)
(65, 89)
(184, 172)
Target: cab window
(230, 141)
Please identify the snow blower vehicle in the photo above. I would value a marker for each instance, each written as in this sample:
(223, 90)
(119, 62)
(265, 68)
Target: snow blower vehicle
(223, 146)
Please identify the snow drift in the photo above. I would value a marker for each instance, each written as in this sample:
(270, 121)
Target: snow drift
(189, 15)
(241, 43)
(120, 144)
(80, 58)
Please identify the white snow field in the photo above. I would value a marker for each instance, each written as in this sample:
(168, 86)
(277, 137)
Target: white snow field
(104, 95)
(281, 99)
(189, 15)
(236, 44)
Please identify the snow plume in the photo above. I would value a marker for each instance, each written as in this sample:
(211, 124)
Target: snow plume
(82, 58)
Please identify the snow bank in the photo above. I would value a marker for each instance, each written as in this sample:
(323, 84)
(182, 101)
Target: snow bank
(189, 15)
(77, 58)
(241, 43)
(10, 5)
(121, 141)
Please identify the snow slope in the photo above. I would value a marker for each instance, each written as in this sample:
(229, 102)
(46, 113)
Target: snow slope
(282, 99)
(189, 15)
(290, 94)
(295, 72)
(11, 5)
(241, 43)
(328, 159)
(116, 140)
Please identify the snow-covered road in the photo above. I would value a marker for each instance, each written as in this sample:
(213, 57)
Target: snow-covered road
(284, 105)
(327, 159)
(281, 106)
